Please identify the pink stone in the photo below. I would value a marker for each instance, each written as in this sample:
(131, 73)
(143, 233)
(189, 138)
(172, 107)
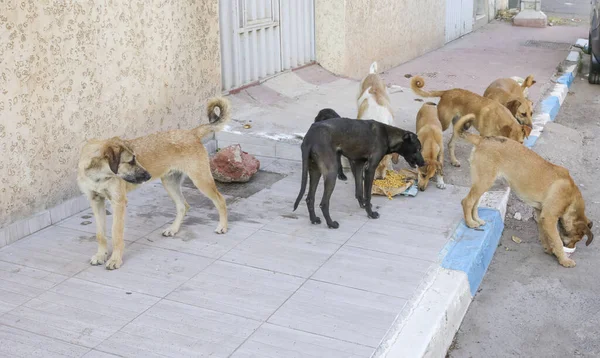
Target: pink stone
(232, 165)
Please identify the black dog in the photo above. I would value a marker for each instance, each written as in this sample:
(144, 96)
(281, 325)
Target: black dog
(364, 143)
(328, 113)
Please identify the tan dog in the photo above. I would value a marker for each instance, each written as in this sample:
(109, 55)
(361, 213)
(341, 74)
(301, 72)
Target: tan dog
(548, 188)
(491, 118)
(511, 95)
(429, 131)
(374, 103)
(110, 168)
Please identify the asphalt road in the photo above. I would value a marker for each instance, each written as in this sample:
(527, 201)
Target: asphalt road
(580, 8)
(528, 305)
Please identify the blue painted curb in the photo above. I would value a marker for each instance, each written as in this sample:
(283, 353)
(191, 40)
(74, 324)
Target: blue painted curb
(472, 250)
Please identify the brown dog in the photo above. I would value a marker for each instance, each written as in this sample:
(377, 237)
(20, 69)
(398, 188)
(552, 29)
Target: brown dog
(491, 118)
(511, 95)
(548, 188)
(109, 168)
(429, 131)
(374, 103)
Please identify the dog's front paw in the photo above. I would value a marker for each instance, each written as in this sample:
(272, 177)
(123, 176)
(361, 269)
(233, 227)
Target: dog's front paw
(566, 262)
(480, 221)
(374, 215)
(342, 176)
(221, 229)
(441, 185)
(455, 163)
(169, 232)
(472, 224)
(99, 258)
(315, 221)
(333, 225)
(115, 262)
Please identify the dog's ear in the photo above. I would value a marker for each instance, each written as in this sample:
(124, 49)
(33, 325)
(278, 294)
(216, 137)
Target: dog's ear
(113, 156)
(410, 137)
(513, 106)
(526, 130)
(395, 158)
(505, 131)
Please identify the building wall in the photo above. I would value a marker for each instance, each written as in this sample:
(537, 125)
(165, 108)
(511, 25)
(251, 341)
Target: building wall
(350, 35)
(72, 70)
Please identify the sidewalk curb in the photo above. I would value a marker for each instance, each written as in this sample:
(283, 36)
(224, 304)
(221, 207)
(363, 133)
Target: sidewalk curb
(549, 106)
(429, 326)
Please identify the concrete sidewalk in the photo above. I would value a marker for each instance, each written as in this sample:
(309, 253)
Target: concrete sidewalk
(275, 285)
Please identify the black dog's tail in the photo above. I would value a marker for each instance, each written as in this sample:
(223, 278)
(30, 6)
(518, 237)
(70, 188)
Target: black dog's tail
(305, 160)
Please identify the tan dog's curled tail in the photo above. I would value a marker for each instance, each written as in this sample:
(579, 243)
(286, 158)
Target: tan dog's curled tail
(216, 121)
(418, 82)
(528, 82)
(460, 127)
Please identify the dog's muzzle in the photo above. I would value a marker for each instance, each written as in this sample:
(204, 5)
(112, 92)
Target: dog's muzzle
(415, 160)
(138, 178)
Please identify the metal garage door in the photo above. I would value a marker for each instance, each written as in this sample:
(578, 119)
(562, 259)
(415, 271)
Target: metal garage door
(260, 38)
(459, 18)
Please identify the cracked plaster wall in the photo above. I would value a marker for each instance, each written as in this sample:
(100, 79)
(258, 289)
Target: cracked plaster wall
(351, 34)
(73, 70)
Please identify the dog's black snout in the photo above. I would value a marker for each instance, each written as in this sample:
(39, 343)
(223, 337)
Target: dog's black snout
(145, 176)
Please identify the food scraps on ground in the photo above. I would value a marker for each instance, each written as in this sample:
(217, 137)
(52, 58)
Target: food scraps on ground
(516, 239)
(395, 183)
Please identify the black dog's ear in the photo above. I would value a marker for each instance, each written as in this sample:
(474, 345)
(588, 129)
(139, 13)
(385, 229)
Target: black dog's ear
(409, 137)
(113, 155)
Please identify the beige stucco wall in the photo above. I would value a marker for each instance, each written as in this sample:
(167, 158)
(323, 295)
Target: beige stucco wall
(72, 70)
(350, 34)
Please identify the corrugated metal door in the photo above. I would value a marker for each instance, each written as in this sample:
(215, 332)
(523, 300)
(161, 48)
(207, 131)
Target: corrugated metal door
(297, 33)
(459, 18)
(260, 38)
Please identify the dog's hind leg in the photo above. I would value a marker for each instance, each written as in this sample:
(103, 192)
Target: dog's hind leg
(358, 169)
(482, 181)
(203, 180)
(314, 177)
(172, 182)
(99, 210)
(369, 176)
(451, 148)
(330, 178)
(341, 175)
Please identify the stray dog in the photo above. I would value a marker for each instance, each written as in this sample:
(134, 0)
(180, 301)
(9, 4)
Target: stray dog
(374, 103)
(548, 188)
(328, 113)
(491, 118)
(109, 168)
(364, 143)
(429, 131)
(511, 95)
